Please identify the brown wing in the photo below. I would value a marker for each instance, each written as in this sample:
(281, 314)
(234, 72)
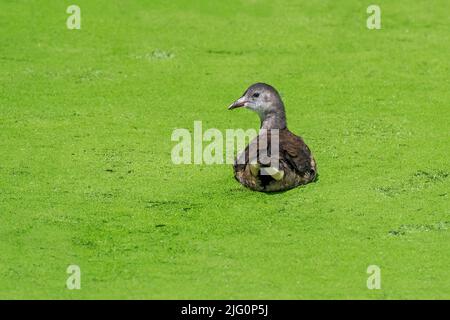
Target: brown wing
(292, 148)
(296, 153)
(296, 161)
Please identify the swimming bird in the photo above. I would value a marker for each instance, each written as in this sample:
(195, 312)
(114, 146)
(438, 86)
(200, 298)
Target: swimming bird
(295, 164)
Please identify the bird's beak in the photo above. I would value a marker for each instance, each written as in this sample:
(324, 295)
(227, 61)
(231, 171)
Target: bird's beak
(238, 103)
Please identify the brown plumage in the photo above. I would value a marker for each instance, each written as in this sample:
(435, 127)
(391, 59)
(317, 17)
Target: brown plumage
(296, 165)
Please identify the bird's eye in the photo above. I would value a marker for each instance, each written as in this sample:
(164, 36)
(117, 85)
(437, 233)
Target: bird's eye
(255, 95)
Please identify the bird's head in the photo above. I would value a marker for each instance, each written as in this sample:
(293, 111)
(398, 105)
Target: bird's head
(261, 98)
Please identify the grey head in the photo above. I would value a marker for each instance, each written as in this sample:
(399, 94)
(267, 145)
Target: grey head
(266, 102)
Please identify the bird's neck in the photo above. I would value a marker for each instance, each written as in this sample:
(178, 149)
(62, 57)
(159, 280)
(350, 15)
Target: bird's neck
(273, 121)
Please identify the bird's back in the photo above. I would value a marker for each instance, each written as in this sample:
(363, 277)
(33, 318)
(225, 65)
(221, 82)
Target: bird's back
(295, 160)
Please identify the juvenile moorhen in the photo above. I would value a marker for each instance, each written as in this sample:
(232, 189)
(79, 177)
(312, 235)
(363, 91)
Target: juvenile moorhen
(296, 165)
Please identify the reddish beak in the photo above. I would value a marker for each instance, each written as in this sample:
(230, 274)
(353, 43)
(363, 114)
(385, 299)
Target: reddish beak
(238, 103)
